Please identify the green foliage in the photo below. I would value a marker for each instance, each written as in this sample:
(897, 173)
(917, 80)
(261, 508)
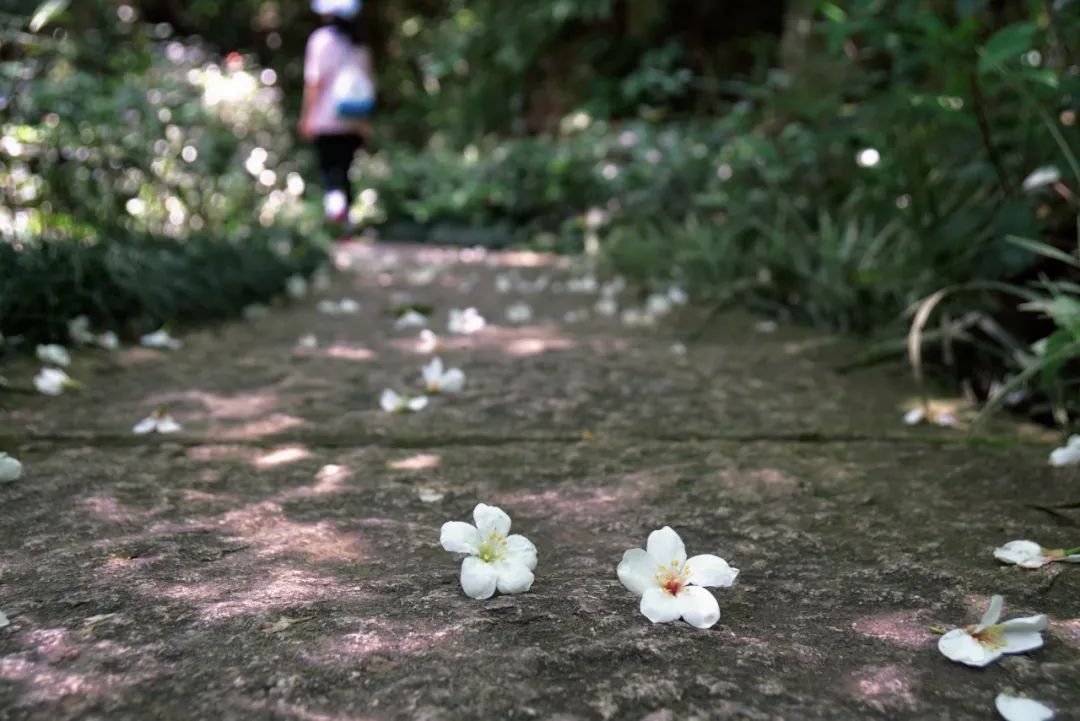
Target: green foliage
(142, 185)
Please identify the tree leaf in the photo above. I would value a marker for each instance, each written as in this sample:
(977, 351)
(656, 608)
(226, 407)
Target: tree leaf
(1007, 44)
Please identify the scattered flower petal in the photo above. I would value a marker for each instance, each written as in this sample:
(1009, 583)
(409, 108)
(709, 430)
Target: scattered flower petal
(79, 330)
(53, 354)
(466, 321)
(1015, 708)
(440, 380)
(157, 422)
(1067, 455)
(496, 560)
(427, 342)
(670, 586)
(987, 641)
(519, 313)
(10, 468)
(160, 339)
(53, 381)
(410, 319)
(1028, 554)
(393, 402)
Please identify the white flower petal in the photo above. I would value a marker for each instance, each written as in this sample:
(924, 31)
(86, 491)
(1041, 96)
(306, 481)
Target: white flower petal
(513, 577)
(478, 579)
(709, 570)
(659, 606)
(146, 425)
(452, 381)
(521, 550)
(390, 401)
(432, 372)
(1022, 641)
(10, 468)
(417, 403)
(993, 612)
(914, 416)
(665, 546)
(698, 607)
(1014, 708)
(637, 570)
(1067, 455)
(1026, 554)
(491, 518)
(460, 537)
(958, 645)
(168, 424)
(54, 354)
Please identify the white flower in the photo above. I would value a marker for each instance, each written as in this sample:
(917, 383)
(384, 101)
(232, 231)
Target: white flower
(410, 319)
(519, 313)
(79, 330)
(57, 355)
(670, 586)
(345, 306)
(53, 381)
(427, 342)
(584, 284)
(606, 306)
(160, 339)
(1046, 175)
(678, 348)
(504, 283)
(657, 304)
(636, 318)
(677, 295)
(466, 322)
(308, 341)
(989, 640)
(159, 421)
(393, 402)
(1068, 454)
(938, 416)
(296, 287)
(438, 380)
(10, 468)
(1028, 554)
(1015, 708)
(255, 310)
(496, 560)
(766, 326)
(108, 340)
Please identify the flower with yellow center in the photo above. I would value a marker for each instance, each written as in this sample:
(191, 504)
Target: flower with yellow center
(438, 379)
(989, 640)
(160, 421)
(496, 559)
(670, 586)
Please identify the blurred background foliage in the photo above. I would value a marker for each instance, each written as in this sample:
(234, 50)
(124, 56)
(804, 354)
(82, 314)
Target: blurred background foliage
(834, 163)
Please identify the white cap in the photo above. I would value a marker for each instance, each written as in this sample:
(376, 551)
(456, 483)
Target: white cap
(344, 9)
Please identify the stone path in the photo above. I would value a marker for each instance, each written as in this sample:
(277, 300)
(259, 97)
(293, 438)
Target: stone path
(279, 559)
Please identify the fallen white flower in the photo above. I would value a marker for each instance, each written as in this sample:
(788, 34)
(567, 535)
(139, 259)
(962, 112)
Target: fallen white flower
(430, 495)
(636, 318)
(160, 339)
(255, 311)
(53, 381)
(657, 304)
(670, 586)
(504, 283)
(677, 295)
(466, 321)
(157, 422)
(410, 319)
(519, 313)
(1028, 554)
(308, 341)
(575, 316)
(52, 353)
(584, 284)
(393, 402)
(496, 559)
(424, 276)
(989, 640)
(943, 418)
(766, 326)
(108, 340)
(678, 348)
(296, 287)
(10, 468)
(79, 330)
(1068, 454)
(4, 620)
(1015, 708)
(438, 380)
(427, 342)
(345, 306)
(606, 306)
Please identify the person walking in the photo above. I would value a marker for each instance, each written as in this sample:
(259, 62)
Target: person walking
(339, 93)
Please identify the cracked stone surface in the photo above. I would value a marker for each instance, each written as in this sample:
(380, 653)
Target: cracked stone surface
(279, 558)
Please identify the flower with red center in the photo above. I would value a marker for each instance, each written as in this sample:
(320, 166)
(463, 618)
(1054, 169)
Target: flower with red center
(496, 559)
(670, 586)
(989, 640)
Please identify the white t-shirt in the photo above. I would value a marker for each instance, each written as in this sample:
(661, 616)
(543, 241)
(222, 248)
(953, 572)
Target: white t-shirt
(328, 50)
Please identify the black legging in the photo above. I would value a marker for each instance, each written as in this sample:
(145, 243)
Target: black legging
(335, 157)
